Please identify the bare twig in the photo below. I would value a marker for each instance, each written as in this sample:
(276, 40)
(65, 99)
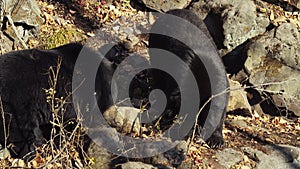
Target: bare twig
(4, 125)
(5, 130)
(11, 22)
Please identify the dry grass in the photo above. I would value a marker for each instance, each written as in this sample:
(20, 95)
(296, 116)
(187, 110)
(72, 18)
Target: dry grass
(65, 147)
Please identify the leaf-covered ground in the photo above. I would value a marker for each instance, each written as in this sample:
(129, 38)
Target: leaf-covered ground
(76, 20)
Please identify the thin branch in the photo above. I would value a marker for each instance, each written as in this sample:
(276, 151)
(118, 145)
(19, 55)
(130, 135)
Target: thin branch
(11, 22)
(4, 125)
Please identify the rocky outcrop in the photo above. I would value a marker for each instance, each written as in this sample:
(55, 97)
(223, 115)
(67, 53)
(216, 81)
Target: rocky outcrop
(273, 65)
(25, 15)
(278, 156)
(275, 156)
(240, 20)
(26, 12)
(268, 53)
(242, 23)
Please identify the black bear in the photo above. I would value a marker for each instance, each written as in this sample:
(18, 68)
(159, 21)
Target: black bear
(186, 36)
(24, 79)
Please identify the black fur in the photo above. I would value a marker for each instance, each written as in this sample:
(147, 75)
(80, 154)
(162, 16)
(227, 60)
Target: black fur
(23, 77)
(168, 85)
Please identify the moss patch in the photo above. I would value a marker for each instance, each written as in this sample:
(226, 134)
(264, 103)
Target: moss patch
(62, 37)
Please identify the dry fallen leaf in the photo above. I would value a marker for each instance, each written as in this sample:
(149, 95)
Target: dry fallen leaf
(18, 163)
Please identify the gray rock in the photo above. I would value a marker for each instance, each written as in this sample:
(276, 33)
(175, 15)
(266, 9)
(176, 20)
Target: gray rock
(105, 136)
(239, 123)
(6, 44)
(242, 23)
(289, 53)
(238, 98)
(297, 3)
(229, 157)
(24, 13)
(278, 156)
(201, 8)
(164, 6)
(254, 154)
(137, 165)
(125, 119)
(263, 160)
(27, 12)
(273, 59)
(240, 20)
(284, 153)
(4, 153)
(127, 30)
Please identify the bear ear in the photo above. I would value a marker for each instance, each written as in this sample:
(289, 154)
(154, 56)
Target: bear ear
(69, 54)
(70, 50)
(194, 19)
(111, 53)
(33, 54)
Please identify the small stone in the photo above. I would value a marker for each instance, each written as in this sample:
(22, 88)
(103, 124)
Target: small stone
(136, 165)
(228, 157)
(116, 28)
(4, 154)
(133, 39)
(238, 98)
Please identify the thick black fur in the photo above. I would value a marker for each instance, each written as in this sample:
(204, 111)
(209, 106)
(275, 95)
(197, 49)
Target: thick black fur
(23, 77)
(169, 86)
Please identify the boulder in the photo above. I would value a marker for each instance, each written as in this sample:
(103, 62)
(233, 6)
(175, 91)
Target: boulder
(273, 65)
(26, 16)
(277, 156)
(240, 20)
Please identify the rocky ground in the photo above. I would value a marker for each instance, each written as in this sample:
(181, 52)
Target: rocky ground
(259, 42)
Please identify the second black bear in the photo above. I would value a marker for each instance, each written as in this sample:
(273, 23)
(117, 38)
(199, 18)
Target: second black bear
(186, 36)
